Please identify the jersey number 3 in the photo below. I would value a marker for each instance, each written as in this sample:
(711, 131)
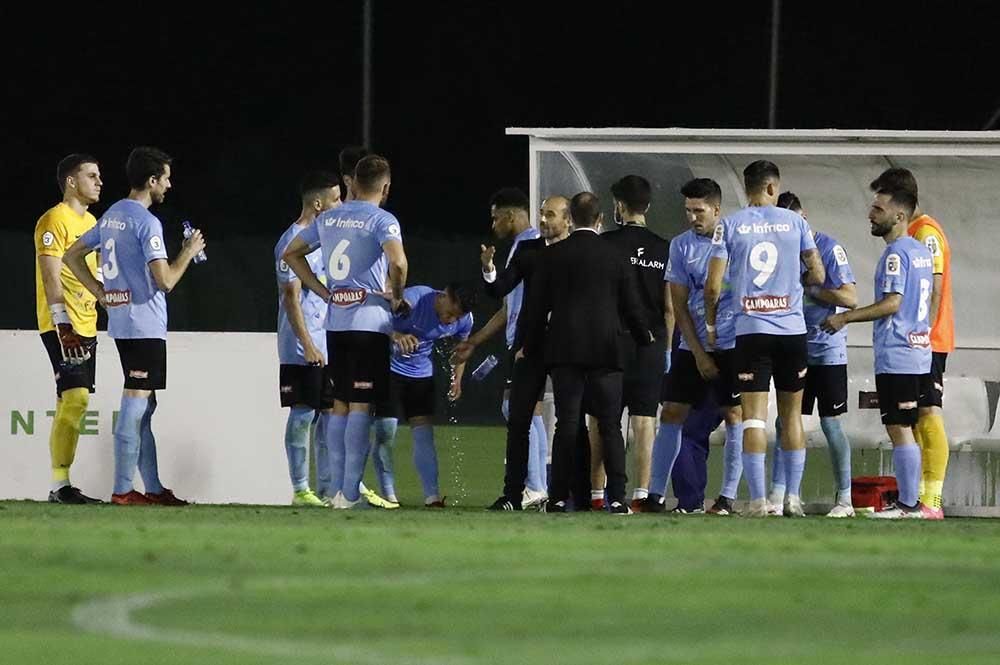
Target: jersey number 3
(340, 263)
(763, 258)
(111, 265)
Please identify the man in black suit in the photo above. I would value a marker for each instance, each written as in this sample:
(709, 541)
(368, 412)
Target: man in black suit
(527, 379)
(573, 319)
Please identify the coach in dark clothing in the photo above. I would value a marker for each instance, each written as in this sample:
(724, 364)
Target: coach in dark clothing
(572, 319)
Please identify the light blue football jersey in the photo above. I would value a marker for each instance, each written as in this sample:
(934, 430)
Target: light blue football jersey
(351, 236)
(688, 266)
(902, 341)
(763, 245)
(824, 348)
(129, 237)
(515, 298)
(424, 324)
(313, 308)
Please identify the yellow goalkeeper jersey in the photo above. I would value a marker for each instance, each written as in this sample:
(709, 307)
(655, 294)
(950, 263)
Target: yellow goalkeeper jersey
(56, 230)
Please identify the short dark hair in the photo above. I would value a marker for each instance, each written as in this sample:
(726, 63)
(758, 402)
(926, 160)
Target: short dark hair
(370, 171)
(896, 178)
(702, 188)
(465, 294)
(510, 197)
(315, 181)
(757, 174)
(349, 158)
(144, 163)
(585, 210)
(69, 165)
(789, 200)
(901, 197)
(634, 191)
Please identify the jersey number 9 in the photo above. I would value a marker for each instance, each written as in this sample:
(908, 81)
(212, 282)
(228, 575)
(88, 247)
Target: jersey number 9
(763, 258)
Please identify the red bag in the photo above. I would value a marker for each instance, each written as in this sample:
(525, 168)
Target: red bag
(873, 492)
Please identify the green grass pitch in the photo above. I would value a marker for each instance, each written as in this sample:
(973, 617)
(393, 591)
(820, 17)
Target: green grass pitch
(256, 585)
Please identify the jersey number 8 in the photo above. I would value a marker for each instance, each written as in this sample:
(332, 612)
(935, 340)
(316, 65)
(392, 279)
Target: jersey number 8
(925, 292)
(764, 259)
(340, 263)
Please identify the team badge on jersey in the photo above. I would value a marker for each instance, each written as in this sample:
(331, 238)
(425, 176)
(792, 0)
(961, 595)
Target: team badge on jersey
(892, 264)
(156, 243)
(932, 244)
(840, 255)
(48, 238)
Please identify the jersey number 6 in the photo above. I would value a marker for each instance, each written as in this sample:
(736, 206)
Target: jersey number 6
(340, 263)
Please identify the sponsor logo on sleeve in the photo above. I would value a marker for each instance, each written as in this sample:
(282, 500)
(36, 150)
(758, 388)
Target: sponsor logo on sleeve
(840, 255)
(892, 265)
(117, 297)
(719, 234)
(348, 297)
(920, 340)
(931, 242)
(282, 266)
(156, 243)
(393, 230)
(766, 304)
(48, 238)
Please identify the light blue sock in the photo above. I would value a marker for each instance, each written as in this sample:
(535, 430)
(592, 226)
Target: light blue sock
(505, 409)
(538, 424)
(357, 442)
(336, 428)
(148, 468)
(385, 441)
(535, 480)
(906, 462)
(322, 447)
(425, 459)
(840, 454)
(795, 464)
(778, 473)
(127, 441)
(666, 447)
(753, 469)
(732, 467)
(297, 446)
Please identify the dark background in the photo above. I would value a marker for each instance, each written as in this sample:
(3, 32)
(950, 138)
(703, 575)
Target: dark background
(247, 99)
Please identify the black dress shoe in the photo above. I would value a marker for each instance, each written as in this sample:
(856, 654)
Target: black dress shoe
(503, 503)
(619, 508)
(71, 495)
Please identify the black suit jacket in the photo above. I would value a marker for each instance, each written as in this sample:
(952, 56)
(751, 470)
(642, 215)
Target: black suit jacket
(520, 269)
(580, 293)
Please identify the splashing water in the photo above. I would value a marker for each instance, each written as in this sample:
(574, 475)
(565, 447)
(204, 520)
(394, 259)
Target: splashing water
(442, 351)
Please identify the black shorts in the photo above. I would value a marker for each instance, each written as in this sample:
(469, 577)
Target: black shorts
(144, 363)
(934, 395)
(685, 385)
(309, 385)
(642, 376)
(408, 398)
(760, 356)
(359, 362)
(827, 385)
(898, 397)
(71, 376)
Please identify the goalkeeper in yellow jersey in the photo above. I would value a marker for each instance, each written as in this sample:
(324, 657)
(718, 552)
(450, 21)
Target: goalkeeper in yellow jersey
(67, 316)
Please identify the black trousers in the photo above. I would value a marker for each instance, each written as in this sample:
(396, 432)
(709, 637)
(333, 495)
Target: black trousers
(527, 383)
(603, 388)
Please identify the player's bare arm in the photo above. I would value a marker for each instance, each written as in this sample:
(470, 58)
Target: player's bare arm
(815, 273)
(936, 291)
(668, 316)
(398, 266)
(167, 275)
(845, 295)
(75, 259)
(455, 392)
(712, 293)
(295, 257)
(463, 350)
(887, 306)
(679, 295)
(291, 292)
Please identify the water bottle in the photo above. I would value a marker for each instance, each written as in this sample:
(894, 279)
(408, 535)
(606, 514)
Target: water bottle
(485, 368)
(200, 257)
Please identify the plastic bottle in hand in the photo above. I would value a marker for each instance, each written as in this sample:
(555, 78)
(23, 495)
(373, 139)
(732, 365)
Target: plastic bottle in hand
(485, 368)
(200, 257)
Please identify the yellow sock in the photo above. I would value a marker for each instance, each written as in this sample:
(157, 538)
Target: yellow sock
(923, 456)
(66, 432)
(934, 458)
